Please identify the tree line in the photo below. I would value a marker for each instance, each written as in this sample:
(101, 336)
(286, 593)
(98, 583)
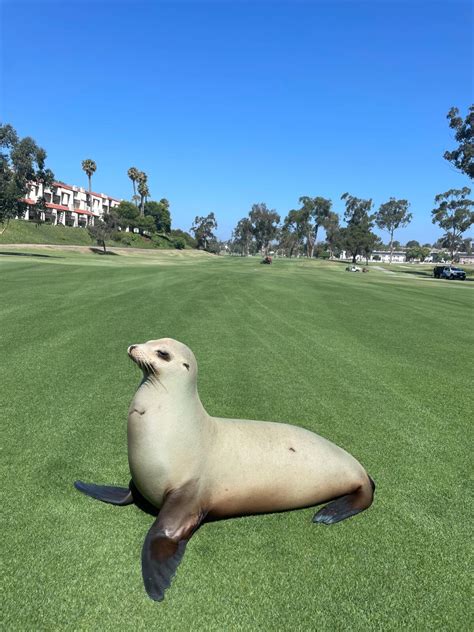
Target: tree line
(297, 234)
(22, 162)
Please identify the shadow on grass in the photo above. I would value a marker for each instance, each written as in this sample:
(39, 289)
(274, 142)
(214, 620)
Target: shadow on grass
(29, 254)
(99, 251)
(426, 274)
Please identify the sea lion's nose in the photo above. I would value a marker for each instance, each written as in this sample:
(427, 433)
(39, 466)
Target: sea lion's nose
(131, 348)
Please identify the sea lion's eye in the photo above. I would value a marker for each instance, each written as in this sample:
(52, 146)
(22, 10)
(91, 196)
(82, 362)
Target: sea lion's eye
(164, 355)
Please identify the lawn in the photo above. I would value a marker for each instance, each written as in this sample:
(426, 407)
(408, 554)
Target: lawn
(24, 232)
(379, 363)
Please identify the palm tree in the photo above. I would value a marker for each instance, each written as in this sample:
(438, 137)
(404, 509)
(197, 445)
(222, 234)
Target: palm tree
(89, 167)
(143, 190)
(133, 174)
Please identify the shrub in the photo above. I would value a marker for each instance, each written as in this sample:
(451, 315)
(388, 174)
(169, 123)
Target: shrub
(179, 243)
(161, 241)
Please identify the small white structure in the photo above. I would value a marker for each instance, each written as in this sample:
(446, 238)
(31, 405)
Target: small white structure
(398, 256)
(466, 258)
(68, 204)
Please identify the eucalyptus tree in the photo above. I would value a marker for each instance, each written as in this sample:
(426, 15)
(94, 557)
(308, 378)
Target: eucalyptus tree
(133, 174)
(357, 237)
(392, 215)
(203, 228)
(463, 156)
(315, 210)
(333, 232)
(293, 231)
(454, 215)
(264, 225)
(242, 236)
(22, 162)
(89, 167)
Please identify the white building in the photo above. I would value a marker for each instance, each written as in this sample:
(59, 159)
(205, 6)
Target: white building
(398, 256)
(68, 205)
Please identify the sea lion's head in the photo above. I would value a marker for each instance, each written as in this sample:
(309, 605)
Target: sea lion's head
(166, 359)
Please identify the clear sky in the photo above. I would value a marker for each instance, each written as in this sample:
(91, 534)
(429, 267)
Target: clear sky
(228, 103)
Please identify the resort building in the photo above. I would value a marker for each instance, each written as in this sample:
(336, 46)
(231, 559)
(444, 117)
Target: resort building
(68, 204)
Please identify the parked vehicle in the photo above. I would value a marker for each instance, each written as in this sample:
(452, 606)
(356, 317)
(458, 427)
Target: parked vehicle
(449, 272)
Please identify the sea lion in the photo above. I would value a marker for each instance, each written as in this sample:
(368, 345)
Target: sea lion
(193, 466)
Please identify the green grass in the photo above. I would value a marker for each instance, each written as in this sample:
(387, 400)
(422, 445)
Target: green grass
(379, 363)
(23, 232)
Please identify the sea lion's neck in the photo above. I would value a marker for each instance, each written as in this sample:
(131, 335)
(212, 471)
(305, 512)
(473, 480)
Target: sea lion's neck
(176, 400)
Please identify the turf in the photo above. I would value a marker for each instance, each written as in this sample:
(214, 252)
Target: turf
(379, 363)
(25, 232)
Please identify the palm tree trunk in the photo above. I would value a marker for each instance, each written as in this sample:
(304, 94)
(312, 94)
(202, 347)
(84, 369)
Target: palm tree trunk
(90, 198)
(134, 192)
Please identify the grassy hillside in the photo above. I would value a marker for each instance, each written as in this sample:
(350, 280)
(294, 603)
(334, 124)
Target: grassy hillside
(22, 232)
(379, 363)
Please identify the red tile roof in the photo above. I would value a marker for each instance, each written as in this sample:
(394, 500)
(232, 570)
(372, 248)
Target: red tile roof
(104, 195)
(60, 207)
(81, 212)
(61, 184)
(101, 195)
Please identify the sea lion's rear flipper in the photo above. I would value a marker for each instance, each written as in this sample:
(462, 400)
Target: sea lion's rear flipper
(105, 493)
(347, 506)
(166, 541)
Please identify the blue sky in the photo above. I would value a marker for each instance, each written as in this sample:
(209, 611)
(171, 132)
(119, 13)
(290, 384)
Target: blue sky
(225, 104)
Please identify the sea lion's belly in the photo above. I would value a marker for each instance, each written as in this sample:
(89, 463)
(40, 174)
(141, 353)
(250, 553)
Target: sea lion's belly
(162, 457)
(260, 467)
(148, 470)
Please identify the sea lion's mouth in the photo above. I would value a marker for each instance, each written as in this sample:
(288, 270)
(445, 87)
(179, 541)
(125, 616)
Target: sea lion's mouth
(137, 356)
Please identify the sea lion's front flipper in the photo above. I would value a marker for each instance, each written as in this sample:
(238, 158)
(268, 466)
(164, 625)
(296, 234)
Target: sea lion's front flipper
(105, 493)
(166, 540)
